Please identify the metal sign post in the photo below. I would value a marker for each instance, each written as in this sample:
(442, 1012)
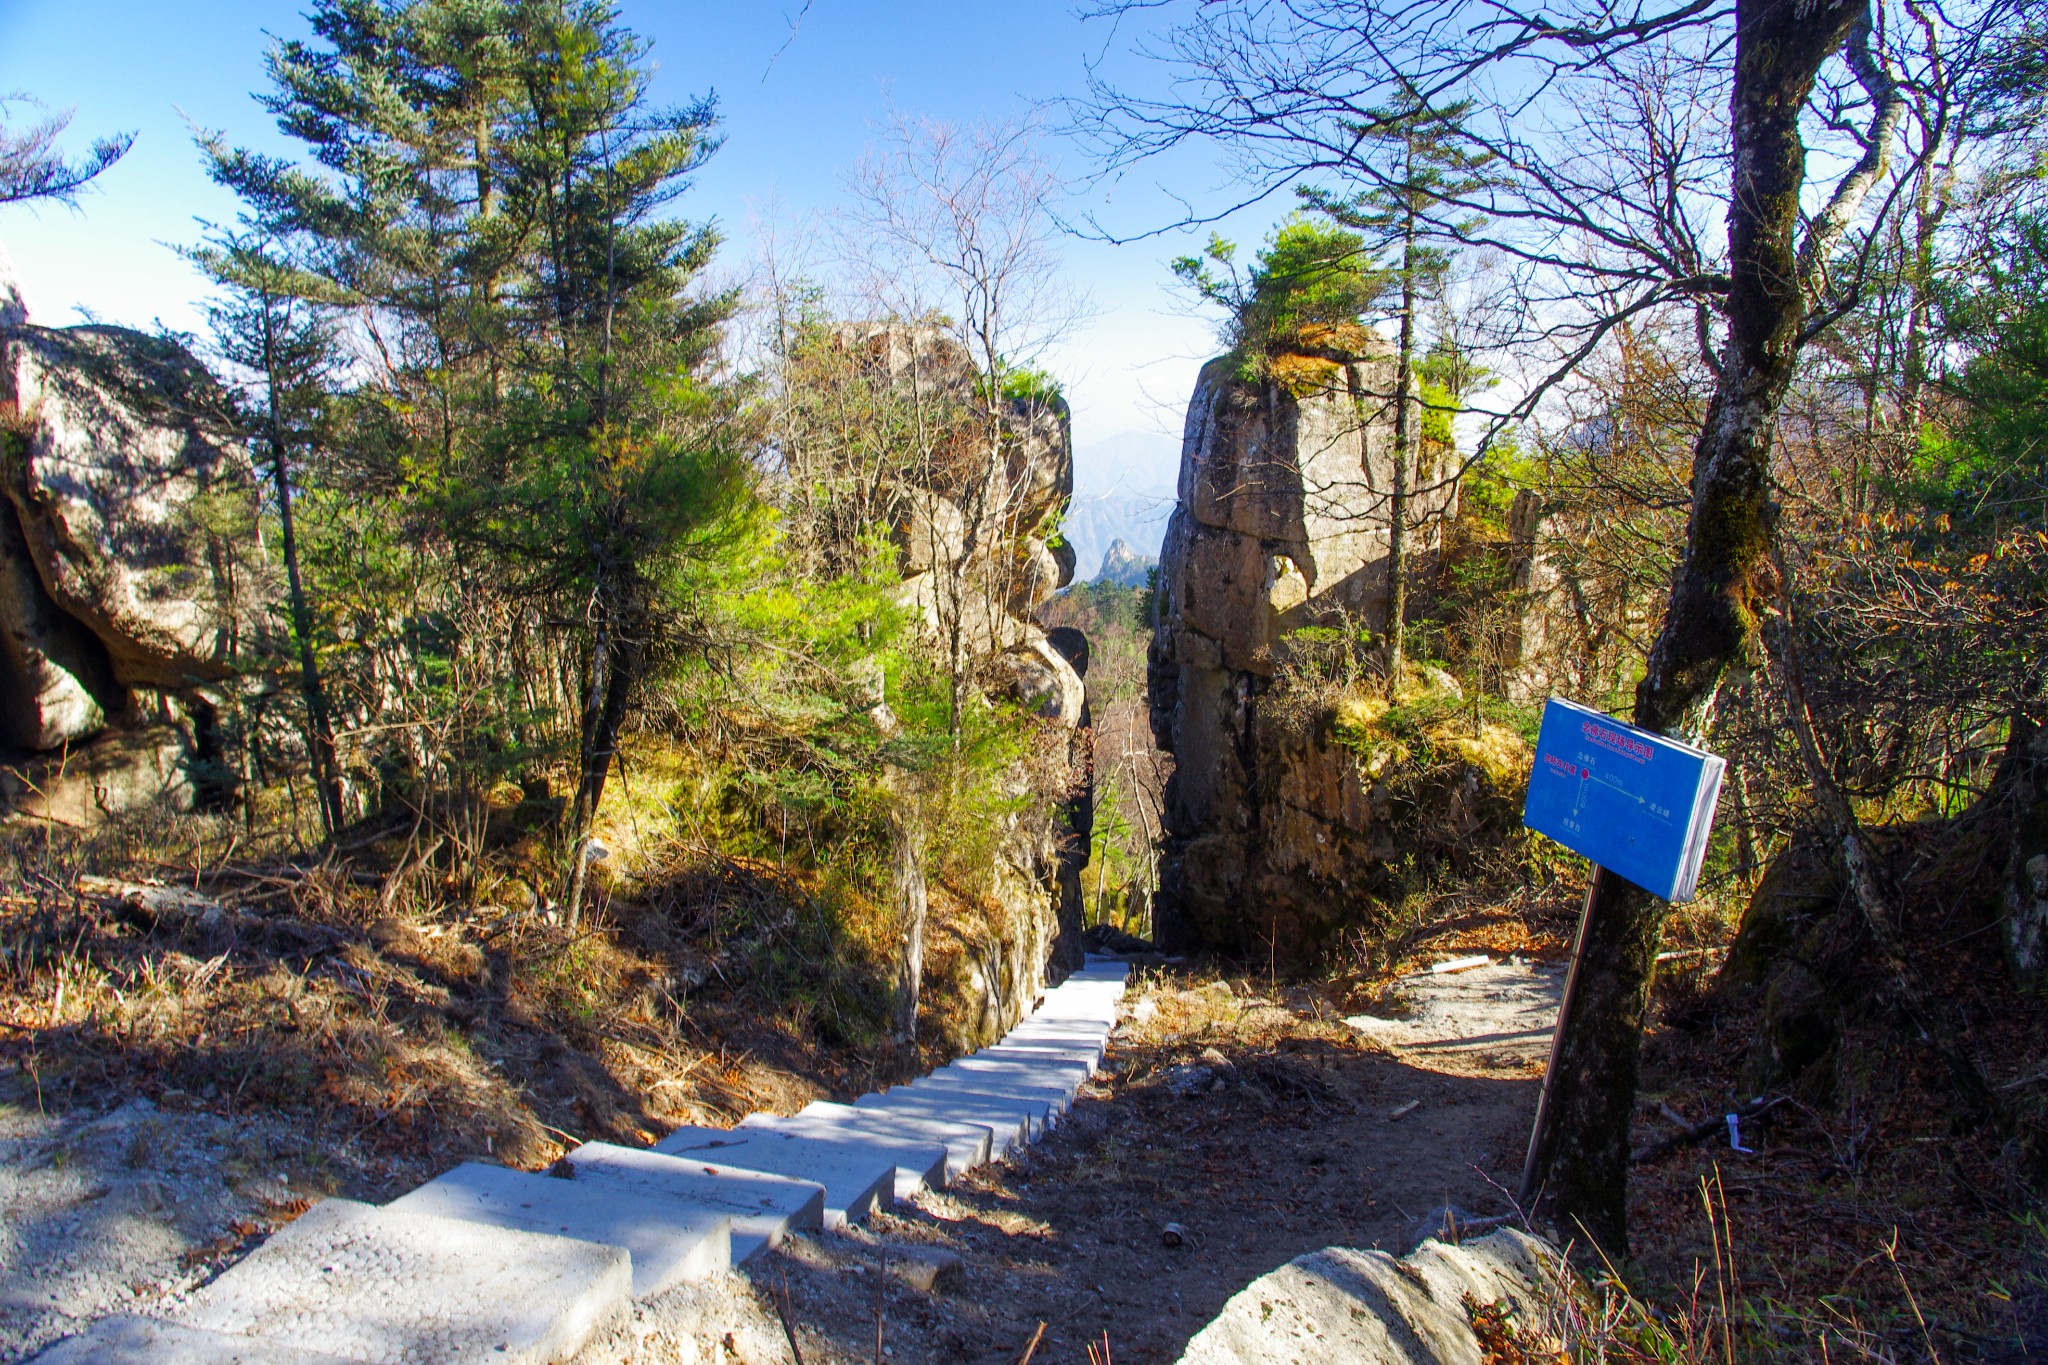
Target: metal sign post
(1637, 805)
(1527, 1194)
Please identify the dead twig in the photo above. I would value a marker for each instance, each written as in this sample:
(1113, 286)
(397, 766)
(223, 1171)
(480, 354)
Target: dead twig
(1031, 1347)
(782, 1310)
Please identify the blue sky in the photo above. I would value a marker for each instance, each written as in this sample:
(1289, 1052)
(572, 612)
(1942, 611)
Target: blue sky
(798, 110)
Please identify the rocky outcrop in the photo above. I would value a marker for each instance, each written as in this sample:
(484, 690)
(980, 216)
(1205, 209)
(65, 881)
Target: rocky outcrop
(120, 602)
(1274, 819)
(1498, 1297)
(1125, 567)
(973, 530)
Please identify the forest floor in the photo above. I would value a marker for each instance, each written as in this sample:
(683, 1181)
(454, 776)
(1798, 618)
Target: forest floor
(1252, 1117)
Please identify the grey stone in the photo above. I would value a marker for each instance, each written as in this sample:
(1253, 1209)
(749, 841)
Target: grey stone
(13, 307)
(671, 1239)
(764, 1208)
(147, 1341)
(383, 1285)
(1344, 1305)
(857, 1175)
(967, 1144)
(128, 434)
(927, 1269)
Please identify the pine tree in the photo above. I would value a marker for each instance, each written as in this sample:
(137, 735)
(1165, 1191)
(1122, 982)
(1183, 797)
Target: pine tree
(495, 185)
(1425, 167)
(273, 323)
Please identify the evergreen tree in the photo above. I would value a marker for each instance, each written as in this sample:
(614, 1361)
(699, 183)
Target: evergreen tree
(1425, 164)
(1310, 275)
(494, 183)
(273, 322)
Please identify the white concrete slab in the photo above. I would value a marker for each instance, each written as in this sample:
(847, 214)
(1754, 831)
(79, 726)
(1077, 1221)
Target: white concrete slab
(858, 1176)
(671, 1239)
(1056, 1099)
(385, 1285)
(1009, 1120)
(1052, 1079)
(967, 1144)
(146, 1341)
(764, 1208)
(943, 1099)
(1061, 1031)
(1101, 1010)
(1064, 1070)
(1090, 1057)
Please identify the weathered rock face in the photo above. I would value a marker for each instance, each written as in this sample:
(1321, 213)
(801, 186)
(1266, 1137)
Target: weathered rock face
(972, 537)
(1272, 825)
(1339, 1304)
(117, 474)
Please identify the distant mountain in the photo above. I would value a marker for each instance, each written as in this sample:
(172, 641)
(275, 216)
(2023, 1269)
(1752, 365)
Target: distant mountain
(1124, 567)
(1095, 520)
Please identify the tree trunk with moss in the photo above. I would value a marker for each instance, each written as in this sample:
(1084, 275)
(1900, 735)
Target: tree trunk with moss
(1581, 1168)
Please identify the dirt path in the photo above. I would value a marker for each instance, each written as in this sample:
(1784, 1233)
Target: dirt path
(1262, 1127)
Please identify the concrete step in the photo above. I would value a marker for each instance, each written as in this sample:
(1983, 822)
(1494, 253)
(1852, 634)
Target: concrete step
(764, 1208)
(1014, 1119)
(671, 1239)
(1009, 1124)
(1100, 1011)
(1091, 1057)
(146, 1341)
(967, 1144)
(389, 1285)
(1057, 1081)
(858, 1176)
(1054, 1098)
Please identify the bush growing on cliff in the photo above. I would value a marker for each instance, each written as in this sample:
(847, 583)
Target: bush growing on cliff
(1309, 285)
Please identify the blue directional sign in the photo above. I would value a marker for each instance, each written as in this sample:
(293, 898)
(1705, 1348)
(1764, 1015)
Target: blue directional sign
(1638, 803)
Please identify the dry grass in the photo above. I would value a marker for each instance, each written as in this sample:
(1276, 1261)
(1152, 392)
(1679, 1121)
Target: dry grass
(429, 1026)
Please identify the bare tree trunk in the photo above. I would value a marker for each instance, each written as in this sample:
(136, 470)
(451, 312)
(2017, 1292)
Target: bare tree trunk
(614, 672)
(1581, 1165)
(1404, 452)
(911, 904)
(320, 749)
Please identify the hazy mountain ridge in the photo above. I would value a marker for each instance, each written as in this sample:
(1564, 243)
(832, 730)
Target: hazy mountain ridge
(1096, 520)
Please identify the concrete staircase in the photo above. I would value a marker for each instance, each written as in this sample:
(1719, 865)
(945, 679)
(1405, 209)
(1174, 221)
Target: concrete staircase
(487, 1264)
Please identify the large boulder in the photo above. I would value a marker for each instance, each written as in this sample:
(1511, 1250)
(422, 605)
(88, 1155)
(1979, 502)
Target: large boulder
(120, 472)
(122, 600)
(13, 307)
(975, 546)
(1369, 1308)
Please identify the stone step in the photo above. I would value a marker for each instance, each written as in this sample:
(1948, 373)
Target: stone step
(967, 1144)
(1091, 1057)
(389, 1285)
(858, 1176)
(146, 1341)
(1014, 1119)
(1100, 1011)
(764, 1208)
(1053, 1099)
(1057, 1081)
(671, 1239)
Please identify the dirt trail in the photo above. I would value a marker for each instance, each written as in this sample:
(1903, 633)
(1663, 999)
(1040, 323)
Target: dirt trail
(1263, 1126)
